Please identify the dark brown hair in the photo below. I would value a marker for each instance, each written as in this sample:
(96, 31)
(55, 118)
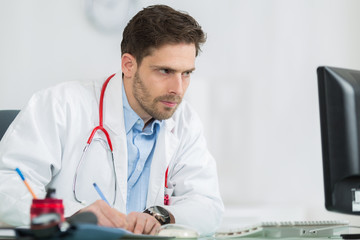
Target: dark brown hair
(156, 26)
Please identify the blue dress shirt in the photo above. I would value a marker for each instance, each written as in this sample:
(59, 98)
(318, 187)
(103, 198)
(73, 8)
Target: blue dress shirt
(140, 147)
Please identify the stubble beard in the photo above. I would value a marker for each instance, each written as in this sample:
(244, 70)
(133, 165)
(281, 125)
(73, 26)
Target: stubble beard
(151, 106)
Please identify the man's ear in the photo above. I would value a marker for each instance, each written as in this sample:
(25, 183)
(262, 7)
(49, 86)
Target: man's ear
(128, 65)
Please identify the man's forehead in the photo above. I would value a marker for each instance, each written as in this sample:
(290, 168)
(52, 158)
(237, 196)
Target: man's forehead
(173, 56)
(173, 48)
(172, 45)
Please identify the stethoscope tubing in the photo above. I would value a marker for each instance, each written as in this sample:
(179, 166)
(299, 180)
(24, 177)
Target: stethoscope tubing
(101, 116)
(107, 135)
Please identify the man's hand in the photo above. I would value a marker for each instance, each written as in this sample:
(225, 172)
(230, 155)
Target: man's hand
(106, 215)
(142, 223)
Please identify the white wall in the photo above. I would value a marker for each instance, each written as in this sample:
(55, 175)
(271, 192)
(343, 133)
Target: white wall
(255, 86)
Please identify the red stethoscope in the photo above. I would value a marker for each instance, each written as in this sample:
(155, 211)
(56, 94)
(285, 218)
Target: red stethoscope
(108, 140)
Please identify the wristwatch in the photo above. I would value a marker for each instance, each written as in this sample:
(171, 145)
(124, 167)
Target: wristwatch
(160, 213)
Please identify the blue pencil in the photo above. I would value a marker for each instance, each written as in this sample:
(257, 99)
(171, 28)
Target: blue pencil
(100, 193)
(26, 183)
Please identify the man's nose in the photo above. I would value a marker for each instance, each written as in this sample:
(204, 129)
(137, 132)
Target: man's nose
(176, 85)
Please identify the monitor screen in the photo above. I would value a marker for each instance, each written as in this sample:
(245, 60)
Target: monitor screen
(339, 102)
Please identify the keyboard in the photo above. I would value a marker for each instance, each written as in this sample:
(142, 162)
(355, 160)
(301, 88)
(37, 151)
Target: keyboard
(285, 229)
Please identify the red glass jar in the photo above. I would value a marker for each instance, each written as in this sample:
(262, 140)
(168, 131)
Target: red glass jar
(47, 205)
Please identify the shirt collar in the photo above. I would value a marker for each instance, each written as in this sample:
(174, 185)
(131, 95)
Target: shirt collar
(133, 120)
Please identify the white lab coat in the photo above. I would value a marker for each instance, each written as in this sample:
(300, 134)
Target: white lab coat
(47, 138)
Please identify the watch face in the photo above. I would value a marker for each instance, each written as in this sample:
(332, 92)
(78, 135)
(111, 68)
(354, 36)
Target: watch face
(160, 213)
(161, 210)
(160, 218)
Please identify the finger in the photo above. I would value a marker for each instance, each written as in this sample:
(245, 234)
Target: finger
(148, 226)
(140, 224)
(96, 208)
(151, 225)
(104, 221)
(116, 218)
(123, 218)
(131, 220)
(155, 229)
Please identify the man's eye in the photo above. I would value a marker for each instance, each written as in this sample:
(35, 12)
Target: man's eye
(186, 74)
(164, 71)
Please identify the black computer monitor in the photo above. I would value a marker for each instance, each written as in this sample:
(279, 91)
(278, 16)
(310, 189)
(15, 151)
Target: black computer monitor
(339, 98)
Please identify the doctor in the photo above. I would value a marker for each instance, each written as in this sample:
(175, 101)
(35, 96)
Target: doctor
(145, 147)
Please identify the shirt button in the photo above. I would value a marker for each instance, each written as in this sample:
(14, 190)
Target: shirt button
(138, 121)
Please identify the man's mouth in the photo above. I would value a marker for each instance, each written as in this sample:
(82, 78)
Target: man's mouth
(169, 104)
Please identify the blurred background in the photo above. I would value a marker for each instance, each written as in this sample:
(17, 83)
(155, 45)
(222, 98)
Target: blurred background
(255, 86)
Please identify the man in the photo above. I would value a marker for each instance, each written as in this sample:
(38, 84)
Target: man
(148, 154)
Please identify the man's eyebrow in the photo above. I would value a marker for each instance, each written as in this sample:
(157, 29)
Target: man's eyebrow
(190, 70)
(171, 69)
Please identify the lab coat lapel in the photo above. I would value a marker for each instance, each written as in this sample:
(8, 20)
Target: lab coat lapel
(166, 144)
(114, 123)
